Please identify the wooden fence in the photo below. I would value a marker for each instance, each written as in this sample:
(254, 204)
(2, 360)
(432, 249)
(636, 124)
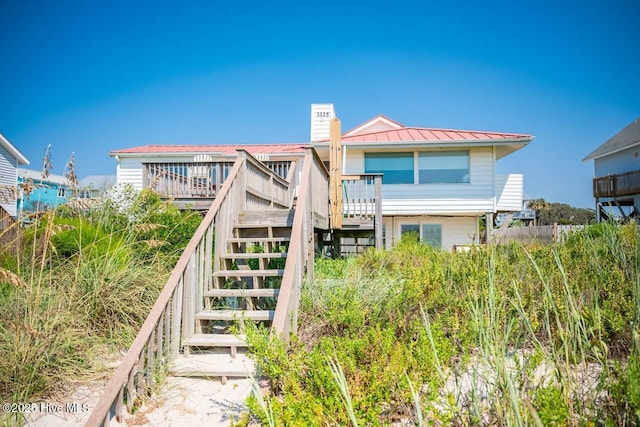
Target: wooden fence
(544, 234)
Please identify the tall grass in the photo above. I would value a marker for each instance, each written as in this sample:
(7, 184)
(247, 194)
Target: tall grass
(77, 290)
(543, 335)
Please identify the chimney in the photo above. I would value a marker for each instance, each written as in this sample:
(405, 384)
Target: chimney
(321, 115)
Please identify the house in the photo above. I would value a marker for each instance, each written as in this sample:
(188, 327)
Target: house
(10, 159)
(38, 193)
(435, 183)
(94, 186)
(616, 182)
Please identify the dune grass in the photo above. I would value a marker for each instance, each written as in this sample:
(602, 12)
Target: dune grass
(76, 285)
(543, 335)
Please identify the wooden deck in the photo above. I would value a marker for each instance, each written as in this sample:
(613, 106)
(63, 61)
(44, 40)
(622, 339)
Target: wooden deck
(624, 184)
(195, 185)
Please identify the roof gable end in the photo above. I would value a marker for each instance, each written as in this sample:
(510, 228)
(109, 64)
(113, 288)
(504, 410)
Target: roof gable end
(626, 138)
(13, 150)
(379, 123)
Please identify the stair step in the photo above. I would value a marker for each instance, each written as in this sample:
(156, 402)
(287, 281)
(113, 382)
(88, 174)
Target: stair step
(267, 217)
(258, 239)
(248, 273)
(264, 292)
(254, 255)
(213, 363)
(215, 340)
(236, 315)
(265, 224)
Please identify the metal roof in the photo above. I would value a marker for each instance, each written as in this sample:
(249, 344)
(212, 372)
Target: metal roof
(213, 149)
(36, 176)
(415, 134)
(627, 137)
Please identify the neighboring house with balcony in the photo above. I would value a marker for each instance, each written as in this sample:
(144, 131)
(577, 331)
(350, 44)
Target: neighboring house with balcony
(616, 182)
(10, 159)
(44, 193)
(433, 182)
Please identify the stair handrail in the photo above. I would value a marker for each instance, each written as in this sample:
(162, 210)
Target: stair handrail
(171, 318)
(129, 376)
(312, 200)
(272, 192)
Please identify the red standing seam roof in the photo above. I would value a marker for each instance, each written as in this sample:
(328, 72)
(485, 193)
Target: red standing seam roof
(415, 134)
(225, 149)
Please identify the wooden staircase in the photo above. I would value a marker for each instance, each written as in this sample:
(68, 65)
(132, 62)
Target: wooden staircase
(246, 285)
(252, 270)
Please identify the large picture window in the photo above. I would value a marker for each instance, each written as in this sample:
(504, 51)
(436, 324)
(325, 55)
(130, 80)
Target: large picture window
(397, 168)
(443, 167)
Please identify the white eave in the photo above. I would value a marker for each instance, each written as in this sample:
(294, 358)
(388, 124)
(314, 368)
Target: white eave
(22, 160)
(608, 153)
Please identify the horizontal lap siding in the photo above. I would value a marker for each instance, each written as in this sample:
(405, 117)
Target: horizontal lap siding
(129, 171)
(509, 192)
(8, 177)
(475, 197)
(624, 161)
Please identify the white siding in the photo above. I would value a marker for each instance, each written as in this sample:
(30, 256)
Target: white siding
(8, 177)
(509, 192)
(455, 230)
(129, 171)
(474, 197)
(321, 115)
(624, 161)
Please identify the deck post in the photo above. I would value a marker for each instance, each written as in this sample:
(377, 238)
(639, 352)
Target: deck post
(335, 173)
(377, 223)
(489, 226)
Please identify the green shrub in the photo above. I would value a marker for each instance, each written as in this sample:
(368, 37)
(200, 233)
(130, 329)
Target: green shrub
(510, 309)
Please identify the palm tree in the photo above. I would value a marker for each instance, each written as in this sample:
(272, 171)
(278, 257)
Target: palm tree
(538, 205)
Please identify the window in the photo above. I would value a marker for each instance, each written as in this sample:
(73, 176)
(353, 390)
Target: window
(432, 235)
(60, 191)
(396, 167)
(429, 234)
(443, 167)
(434, 167)
(410, 230)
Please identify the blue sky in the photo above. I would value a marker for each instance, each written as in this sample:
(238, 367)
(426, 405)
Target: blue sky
(91, 77)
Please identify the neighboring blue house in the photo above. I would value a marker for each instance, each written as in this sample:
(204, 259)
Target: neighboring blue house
(10, 159)
(616, 182)
(46, 193)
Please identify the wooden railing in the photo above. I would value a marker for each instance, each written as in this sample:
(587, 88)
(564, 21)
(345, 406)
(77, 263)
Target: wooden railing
(362, 200)
(312, 210)
(623, 184)
(183, 180)
(361, 195)
(172, 316)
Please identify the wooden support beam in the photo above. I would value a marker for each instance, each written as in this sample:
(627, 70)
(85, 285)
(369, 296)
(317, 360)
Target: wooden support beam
(335, 173)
